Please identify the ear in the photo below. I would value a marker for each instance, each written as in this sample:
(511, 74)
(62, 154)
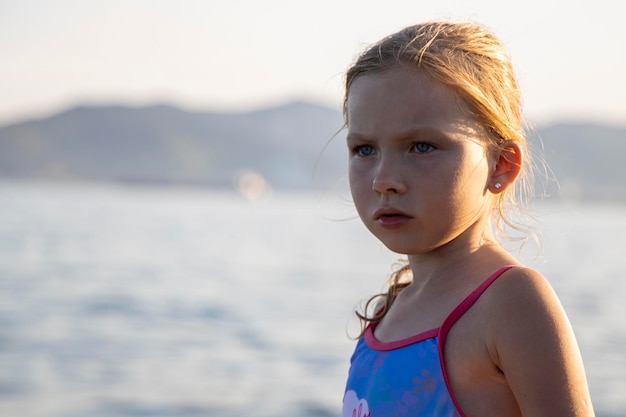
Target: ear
(508, 163)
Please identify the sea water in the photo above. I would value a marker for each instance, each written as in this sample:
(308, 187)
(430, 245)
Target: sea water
(130, 301)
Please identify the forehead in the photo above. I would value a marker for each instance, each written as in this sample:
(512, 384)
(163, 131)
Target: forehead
(404, 98)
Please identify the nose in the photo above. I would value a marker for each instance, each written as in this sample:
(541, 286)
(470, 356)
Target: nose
(388, 178)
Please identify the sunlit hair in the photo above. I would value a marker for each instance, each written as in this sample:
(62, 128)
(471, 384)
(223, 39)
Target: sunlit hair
(471, 60)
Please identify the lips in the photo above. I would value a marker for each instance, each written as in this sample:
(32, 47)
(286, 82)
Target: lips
(390, 218)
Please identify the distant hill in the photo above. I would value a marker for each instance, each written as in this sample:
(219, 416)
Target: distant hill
(165, 145)
(587, 160)
(284, 144)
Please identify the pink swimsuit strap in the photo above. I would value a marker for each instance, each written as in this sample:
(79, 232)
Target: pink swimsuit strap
(469, 301)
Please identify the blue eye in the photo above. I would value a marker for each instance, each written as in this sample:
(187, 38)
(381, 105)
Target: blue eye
(422, 147)
(364, 150)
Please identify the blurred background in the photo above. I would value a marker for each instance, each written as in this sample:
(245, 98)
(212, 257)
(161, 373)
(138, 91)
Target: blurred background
(176, 232)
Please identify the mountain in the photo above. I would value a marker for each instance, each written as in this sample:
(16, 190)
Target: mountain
(582, 161)
(292, 146)
(163, 144)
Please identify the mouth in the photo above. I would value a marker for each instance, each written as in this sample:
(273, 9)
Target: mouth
(389, 212)
(391, 218)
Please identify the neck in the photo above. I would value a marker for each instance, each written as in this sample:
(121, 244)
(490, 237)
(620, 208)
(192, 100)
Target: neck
(474, 250)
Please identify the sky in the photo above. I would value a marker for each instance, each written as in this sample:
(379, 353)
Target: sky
(239, 55)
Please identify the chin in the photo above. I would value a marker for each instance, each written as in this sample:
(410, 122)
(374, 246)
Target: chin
(409, 248)
(401, 249)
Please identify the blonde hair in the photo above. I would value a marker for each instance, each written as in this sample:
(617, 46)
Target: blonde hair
(470, 59)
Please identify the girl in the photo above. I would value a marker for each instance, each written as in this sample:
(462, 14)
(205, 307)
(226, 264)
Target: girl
(436, 147)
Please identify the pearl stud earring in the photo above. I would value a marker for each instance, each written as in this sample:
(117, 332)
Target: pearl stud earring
(497, 185)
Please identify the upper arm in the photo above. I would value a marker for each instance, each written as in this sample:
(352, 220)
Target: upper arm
(533, 344)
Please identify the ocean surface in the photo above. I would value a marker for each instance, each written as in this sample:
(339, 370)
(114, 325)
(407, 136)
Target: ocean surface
(131, 301)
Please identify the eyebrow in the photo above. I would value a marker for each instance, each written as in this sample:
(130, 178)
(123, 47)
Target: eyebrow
(404, 134)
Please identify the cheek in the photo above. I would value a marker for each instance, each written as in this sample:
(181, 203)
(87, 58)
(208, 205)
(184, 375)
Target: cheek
(471, 187)
(360, 188)
(476, 167)
(356, 186)
(357, 176)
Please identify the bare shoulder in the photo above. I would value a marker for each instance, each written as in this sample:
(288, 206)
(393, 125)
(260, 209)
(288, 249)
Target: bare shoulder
(520, 290)
(524, 309)
(531, 341)
(521, 278)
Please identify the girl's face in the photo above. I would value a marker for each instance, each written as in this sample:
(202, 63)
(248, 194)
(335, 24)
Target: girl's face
(419, 170)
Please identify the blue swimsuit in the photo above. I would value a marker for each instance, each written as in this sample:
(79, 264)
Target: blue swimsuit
(407, 377)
